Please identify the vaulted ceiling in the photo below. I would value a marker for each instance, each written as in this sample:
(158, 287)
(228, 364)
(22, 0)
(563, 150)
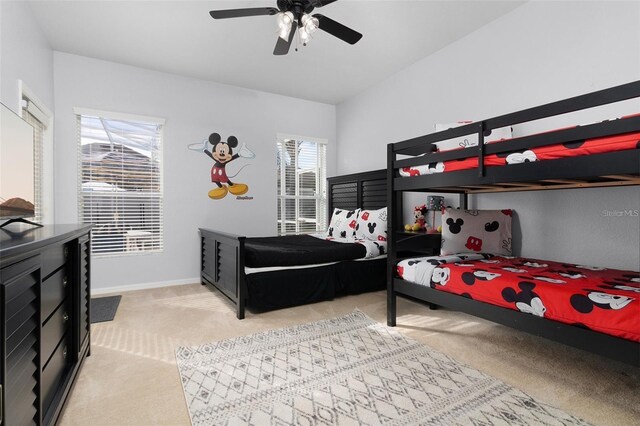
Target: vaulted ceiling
(180, 37)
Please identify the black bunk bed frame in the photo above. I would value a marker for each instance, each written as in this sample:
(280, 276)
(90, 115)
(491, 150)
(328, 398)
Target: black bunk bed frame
(222, 255)
(620, 168)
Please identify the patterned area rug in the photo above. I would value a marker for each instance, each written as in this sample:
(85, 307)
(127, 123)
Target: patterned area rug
(344, 371)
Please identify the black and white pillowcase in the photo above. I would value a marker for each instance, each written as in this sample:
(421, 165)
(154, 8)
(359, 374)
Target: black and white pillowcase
(343, 223)
(372, 225)
(480, 231)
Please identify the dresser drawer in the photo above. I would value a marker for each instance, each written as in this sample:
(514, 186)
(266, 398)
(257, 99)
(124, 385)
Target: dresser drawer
(53, 258)
(53, 330)
(53, 292)
(53, 373)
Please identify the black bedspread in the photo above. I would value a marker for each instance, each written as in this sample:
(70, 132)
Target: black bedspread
(292, 250)
(294, 287)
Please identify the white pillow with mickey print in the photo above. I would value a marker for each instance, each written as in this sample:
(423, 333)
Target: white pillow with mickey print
(480, 231)
(372, 225)
(343, 223)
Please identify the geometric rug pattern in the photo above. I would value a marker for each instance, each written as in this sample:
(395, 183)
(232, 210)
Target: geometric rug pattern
(348, 370)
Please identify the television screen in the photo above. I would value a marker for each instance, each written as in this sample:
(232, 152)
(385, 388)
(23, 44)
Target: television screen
(17, 190)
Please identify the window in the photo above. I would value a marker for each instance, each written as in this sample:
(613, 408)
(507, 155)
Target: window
(302, 185)
(32, 115)
(40, 118)
(120, 181)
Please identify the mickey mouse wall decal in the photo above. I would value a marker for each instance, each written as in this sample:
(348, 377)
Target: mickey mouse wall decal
(221, 152)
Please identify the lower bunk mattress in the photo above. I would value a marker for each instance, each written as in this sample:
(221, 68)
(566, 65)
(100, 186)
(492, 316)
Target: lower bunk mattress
(286, 287)
(600, 299)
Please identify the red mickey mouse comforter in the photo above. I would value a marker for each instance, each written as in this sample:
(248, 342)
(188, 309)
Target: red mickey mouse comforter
(605, 300)
(550, 152)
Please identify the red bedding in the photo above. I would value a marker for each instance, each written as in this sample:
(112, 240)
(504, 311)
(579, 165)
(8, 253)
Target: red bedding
(605, 300)
(550, 152)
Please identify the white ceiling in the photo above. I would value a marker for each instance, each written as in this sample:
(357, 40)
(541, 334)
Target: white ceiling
(180, 37)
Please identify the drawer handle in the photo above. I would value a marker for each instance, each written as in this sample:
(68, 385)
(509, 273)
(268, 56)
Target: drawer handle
(65, 281)
(64, 353)
(65, 317)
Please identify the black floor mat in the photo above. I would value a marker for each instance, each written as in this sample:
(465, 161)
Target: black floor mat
(104, 308)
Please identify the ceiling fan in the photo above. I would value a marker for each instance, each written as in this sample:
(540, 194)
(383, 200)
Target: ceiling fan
(293, 15)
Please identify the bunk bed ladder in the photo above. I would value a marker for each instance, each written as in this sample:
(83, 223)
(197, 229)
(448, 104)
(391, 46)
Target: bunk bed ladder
(481, 128)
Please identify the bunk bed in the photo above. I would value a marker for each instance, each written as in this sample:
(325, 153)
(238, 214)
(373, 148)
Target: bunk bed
(610, 158)
(278, 272)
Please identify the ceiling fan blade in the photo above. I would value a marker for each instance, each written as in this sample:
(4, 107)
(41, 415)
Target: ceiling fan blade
(337, 29)
(239, 13)
(282, 46)
(320, 3)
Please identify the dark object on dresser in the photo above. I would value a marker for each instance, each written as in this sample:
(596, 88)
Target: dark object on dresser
(104, 308)
(44, 293)
(596, 170)
(223, 258)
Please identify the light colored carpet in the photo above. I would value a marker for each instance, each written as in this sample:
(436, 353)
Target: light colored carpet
(131, 376)
(345, 371)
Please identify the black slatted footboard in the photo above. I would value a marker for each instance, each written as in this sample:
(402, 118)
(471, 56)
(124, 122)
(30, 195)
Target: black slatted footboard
(222, 265)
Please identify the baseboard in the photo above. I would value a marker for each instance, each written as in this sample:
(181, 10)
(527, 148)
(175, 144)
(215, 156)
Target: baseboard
(143, 286)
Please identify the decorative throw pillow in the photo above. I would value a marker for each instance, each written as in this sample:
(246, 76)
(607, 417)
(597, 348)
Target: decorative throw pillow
(486, 231)
(372, 225)
(343, 223)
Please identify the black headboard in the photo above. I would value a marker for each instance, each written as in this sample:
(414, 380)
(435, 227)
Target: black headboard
(366, 190)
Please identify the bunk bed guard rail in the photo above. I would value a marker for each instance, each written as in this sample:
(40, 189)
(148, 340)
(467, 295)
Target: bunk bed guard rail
(614, 164)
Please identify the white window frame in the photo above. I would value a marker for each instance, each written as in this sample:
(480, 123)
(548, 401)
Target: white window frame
(81, 111)
(321, 199)
(46, 172)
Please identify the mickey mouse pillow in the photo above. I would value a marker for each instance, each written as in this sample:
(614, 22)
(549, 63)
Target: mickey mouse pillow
(480, 231)
(372, 225)
(343, 223)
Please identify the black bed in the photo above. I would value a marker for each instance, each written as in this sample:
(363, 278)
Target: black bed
(276, 272)
(610, 169)
(295, 250)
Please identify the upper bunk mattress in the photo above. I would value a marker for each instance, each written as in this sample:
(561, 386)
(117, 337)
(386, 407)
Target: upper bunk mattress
(601, 299)
(293, 250)
(550, 152)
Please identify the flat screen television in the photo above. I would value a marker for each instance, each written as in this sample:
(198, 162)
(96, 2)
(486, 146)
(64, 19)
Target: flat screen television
(17, 190)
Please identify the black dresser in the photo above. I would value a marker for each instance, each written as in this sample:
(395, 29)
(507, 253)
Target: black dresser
(45, 295)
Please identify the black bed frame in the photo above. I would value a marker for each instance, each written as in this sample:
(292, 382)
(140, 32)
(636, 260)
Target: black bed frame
(222, 255)
(601, 170)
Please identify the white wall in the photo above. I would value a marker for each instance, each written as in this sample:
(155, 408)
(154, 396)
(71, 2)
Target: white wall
(26, 55)
(540, 52)
(193, 109)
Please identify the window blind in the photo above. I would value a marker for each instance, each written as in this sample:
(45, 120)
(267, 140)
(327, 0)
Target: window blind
(120, 183)
(32, 115)
(302, 186)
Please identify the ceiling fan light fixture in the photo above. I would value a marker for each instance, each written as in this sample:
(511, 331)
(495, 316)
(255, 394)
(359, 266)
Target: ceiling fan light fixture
(310, 24)
(294, 16)
(285, 22)
(309, 27)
